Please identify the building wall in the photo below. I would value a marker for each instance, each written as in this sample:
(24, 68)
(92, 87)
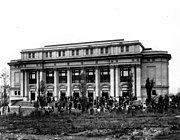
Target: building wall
(157, 70)
(143, 64)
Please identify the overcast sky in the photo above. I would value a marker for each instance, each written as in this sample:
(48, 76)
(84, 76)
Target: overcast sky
(26, 24)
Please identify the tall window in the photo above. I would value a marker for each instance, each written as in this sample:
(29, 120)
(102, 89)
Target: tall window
(46, 54)
(102, 50)
(29, 55)
(91, 50)
(33, 55)
(122, 48)
(87, 51)
(76, 75)
(63, 76)
(49, 76)
(50, 54)
(125, 73)
(63, 52)
(90, 75)
(77, 52)
(32, 77)
(106, 50)
(72, 52)
(127, 48)
(59, 53)
(104, 74)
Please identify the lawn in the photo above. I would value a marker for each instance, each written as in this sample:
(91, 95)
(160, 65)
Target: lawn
(85, 126)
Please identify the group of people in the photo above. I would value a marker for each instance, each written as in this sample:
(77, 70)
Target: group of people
(101, 104)
(108, 104)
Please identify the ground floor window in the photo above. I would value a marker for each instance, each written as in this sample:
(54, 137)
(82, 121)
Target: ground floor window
(32, 95)
(105, 94)
(76, 93)
(62, 93)
(50, 93)
(90, 95)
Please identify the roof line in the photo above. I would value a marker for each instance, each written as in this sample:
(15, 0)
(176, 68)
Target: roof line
(84, 42)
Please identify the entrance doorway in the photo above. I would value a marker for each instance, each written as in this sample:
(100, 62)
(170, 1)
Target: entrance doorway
(76, 93)
(49, 93)
(62, 93)
(105, 94)
(90, 95)
(32, 95)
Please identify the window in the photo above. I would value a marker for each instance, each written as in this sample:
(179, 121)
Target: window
(72, 52)
(125, 73)
(46, 54)
(19, 92)
(76, 75)
(33, 55)
(63, 52)
(91, 50)
(127, 48)
(49, 76)
(17, 78)
(15, 92)
(87, 51)
(63, 76)
(32, 77)
(50, 54)
(104, 74)
(77, 52)
(106, 50)
(29, 55)
(90, 75)
(122, 48)
(59, 53)
(102, 50)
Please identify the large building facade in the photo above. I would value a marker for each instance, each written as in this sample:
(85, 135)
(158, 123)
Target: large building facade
(106, 64)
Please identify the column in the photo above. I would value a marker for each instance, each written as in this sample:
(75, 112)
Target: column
(117, 78)
(112, 81)
(133, 81)
(41, 76)
(56, 77)
(138, 82)
(68, 82)
(37, 84)
(26, 86)
(22, 83)
(97, 82)
(120, 89)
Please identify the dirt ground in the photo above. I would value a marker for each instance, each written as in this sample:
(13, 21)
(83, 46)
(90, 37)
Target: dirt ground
(66, 126)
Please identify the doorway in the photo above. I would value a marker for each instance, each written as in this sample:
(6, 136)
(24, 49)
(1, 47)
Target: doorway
(32, 95)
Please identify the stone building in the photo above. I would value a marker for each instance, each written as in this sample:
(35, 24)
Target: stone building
(107, 64)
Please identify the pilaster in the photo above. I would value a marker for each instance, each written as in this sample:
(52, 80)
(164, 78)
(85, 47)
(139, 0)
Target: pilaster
(97, 82)
(56, 84)
(138, 81)
(112, 81)
(117, 78)
(68, 82)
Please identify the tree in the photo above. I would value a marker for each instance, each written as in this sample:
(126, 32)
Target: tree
(42, 94)
(5, 87)
(130, 80)
(83, 82)
(149, 85)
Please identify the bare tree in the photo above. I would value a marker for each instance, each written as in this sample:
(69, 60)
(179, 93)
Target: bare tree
(149, 85)
(5, 87)
(42, 94)
(83, 82)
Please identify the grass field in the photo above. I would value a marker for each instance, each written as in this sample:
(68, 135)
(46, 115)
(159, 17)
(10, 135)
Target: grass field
(85, 126)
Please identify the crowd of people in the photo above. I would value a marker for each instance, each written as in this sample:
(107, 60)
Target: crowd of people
(158, 104)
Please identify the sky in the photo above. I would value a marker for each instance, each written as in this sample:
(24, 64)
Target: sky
(26, 24)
